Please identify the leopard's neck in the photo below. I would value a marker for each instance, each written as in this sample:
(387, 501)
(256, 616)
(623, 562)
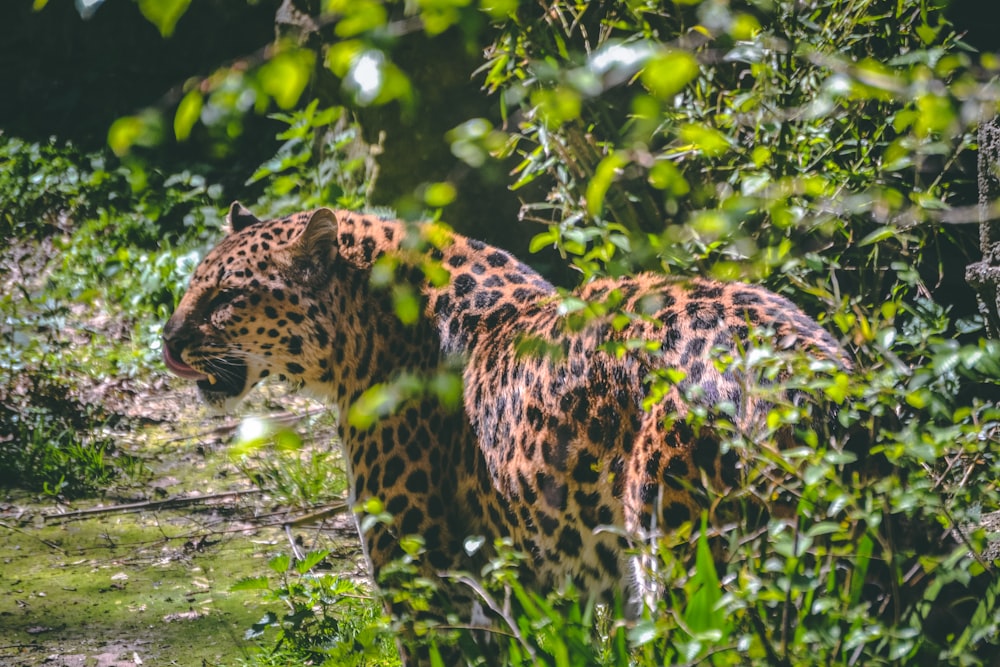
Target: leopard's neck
(468, 289)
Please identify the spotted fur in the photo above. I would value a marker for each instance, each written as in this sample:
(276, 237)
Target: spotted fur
(552, 442)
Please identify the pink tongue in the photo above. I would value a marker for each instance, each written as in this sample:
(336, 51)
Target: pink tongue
(179, 368)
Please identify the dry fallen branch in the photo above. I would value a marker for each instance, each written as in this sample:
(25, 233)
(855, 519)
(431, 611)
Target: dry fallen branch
(178, 501)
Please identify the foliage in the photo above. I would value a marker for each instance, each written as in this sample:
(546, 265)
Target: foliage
(322, 162)
(277, 459)
(325, 619)
(80, 269)
(39, 182)
(45, 444)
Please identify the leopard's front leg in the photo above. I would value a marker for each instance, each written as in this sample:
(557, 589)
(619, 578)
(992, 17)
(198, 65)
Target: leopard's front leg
(411, 462)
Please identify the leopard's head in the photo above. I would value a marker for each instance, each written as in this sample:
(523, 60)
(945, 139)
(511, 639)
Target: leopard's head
(251, 307)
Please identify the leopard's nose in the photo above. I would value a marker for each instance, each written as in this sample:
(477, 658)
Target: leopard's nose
(173, 338)
(172, 330)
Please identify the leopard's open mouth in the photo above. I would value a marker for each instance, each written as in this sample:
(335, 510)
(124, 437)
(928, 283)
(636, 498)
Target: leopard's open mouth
(225, 376)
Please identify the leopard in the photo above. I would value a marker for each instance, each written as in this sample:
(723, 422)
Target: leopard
(576, 430)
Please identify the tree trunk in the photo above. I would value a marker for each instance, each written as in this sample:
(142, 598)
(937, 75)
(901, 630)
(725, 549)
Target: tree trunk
(984, 275)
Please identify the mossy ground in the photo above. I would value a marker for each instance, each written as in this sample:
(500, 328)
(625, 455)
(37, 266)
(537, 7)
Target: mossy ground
(152, 585)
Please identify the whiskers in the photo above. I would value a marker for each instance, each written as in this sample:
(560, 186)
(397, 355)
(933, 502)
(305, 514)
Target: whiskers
(226, 368)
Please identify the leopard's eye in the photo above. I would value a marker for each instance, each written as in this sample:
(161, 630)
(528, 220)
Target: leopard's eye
(221, 299)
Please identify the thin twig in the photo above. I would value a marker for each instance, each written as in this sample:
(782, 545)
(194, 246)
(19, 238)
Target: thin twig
(178, 501)
(51, 545)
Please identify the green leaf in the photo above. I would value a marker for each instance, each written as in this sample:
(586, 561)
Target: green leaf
(599, 184)
(188, 112)
(666, 75)
(556, 106)
(643, 632)
(375, 402)
(285, 76)
(880, 234)
(447, 386)
(406, 304)
(499, 9)
(707, 139)
(435, 655)
(927, 34)
(437, 195)
(250, 584)
(935, 114)
(705, 591)
(164, 14)
(310, 561)
(145, 129)
(664, 175)
(985, 610)
(544, 240)
(359, 17)
(280, 563)
(340, 56)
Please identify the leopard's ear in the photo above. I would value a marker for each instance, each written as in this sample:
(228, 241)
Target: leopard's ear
(317, 244)
(239, 217)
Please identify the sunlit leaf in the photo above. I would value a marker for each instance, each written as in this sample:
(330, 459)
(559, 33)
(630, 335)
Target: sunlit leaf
(187, 115)
(667, 74)
(280, 563)
(601, 181)
(556, 106)
(437, 195)
(369, 76)
(702, 613)
(447, 387)
(339, 56)
(311, 560)
(406, 304)
(411, 545)
(664, 175)
(145, 129)
(711, 224)
(707, 139)
(642, 632)
(499, 9)
(878, 235)
(358, 17)
(439, 15)
(744, 26)
(285, 76)
(164, 14)
(934, 114)
(926, 33)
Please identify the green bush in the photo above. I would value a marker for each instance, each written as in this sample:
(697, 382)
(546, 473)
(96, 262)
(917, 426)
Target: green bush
(324, 619)
(48, 441)
(83, 244)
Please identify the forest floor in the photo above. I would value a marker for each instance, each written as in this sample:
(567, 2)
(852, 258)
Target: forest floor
(143, 574)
